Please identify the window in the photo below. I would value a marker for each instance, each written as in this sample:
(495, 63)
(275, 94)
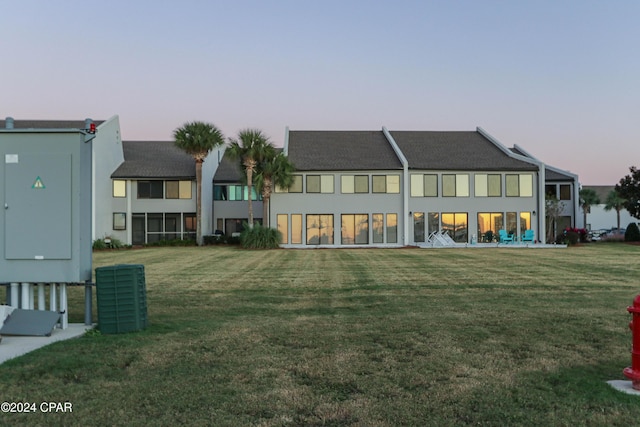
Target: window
(150, 189)
(488, 225)
(178, 189)
(172, 226)
(377, 220)
(296, 229)
(392, 228)
(355, 229)
(565, 192)
(455, 224)
(119, 221)
(282, 228)
(154, 227)
(519, 185)
(433, 222)
(296, 187)
(319, 183)
(511, 225)
(455, 185)
(424, 185)
(119, 188)
(386, 183)
(550, 190)
(418, 226)
(488, 185)
(319, 229)
(190, 225)
(354, 184)
(525, 222)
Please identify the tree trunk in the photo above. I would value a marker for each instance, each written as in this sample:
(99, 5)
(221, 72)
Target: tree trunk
(266, 197)
(199, 201)
(250, 165)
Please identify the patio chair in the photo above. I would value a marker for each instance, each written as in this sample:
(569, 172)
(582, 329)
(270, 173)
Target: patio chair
(528, 236)
(505, 237)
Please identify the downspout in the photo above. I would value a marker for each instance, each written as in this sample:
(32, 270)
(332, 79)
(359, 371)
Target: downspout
(405, 184)
(542, 206)
(285, 148)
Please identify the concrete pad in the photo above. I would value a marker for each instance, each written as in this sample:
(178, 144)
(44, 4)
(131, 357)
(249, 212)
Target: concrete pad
(624, 386)
(11, 347)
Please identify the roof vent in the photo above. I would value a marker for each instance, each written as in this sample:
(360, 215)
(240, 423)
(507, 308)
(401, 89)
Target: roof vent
(8, 123)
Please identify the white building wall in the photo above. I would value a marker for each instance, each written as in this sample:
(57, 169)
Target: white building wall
(107, 156)
(599, 219)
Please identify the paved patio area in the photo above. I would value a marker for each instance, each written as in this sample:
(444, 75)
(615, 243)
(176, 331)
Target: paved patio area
(12, 346)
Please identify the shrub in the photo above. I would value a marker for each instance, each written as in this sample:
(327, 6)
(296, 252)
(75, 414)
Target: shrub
(260, 237)
(112, 244)
(632, 234)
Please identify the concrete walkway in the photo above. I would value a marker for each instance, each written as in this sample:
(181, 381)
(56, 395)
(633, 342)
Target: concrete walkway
(11, 346)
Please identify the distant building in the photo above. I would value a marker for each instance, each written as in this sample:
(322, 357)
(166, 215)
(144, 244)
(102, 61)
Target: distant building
(600, 219)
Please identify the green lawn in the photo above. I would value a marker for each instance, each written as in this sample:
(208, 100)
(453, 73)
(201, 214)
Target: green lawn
(366, 337)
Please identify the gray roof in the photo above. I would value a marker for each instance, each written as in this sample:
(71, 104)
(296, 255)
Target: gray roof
(455, 150)
(556, 175)
(341, 150)
(155, 160)
(48, 124)
(228, 170)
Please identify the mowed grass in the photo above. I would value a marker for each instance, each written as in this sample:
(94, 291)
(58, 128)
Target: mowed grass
(362, 337)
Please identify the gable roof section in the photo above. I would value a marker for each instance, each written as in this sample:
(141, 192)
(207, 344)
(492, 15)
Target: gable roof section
(455, 150)
(155, 160)
(228, 170)
(341, 150)
(48, 124)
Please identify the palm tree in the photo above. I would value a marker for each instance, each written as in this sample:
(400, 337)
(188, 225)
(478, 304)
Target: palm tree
(614, 201)
(276, 169)
(553, 209)
(588, 198)
(198, 139)
(250, 148)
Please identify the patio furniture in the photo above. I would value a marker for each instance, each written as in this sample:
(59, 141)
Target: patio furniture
(528, 236)
(505, 237)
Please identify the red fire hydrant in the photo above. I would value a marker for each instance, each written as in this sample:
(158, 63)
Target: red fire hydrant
(633, 372)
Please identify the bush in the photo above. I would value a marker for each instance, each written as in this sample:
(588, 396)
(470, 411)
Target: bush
(632, 234)
(112, 244)
(260, 237)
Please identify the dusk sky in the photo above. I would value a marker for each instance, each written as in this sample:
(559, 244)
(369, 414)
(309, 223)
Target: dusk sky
(559, 78)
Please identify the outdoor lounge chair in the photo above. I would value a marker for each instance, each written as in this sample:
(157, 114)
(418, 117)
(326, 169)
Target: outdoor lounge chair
(528, 236)
(505, 237)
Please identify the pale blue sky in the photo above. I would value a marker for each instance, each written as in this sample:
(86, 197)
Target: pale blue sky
(559, 78)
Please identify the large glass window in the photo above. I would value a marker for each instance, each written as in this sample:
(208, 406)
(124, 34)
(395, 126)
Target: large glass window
(565, 192)
(355, 229)
(296, 187)
(519, 185)
(418, 227)
(377, 220)
(511, 225)
(319, 229)
(178, 189)
(424, 185)
(392, 228)
(455, 224)
(354, 184)
(150, 189)
(455, 185)
(385, 183)
(119, 188)
(283, 228)
(433, 222)
(234, 193)
(190, 225)
(296, 229)
(525, 222)
(488, 185)
(319, 183)
(488, 225)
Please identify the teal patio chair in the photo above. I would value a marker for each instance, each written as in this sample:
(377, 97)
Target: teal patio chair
(505, 237)
(528, 236)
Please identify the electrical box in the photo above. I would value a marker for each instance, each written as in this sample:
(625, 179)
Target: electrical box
(45, 211)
